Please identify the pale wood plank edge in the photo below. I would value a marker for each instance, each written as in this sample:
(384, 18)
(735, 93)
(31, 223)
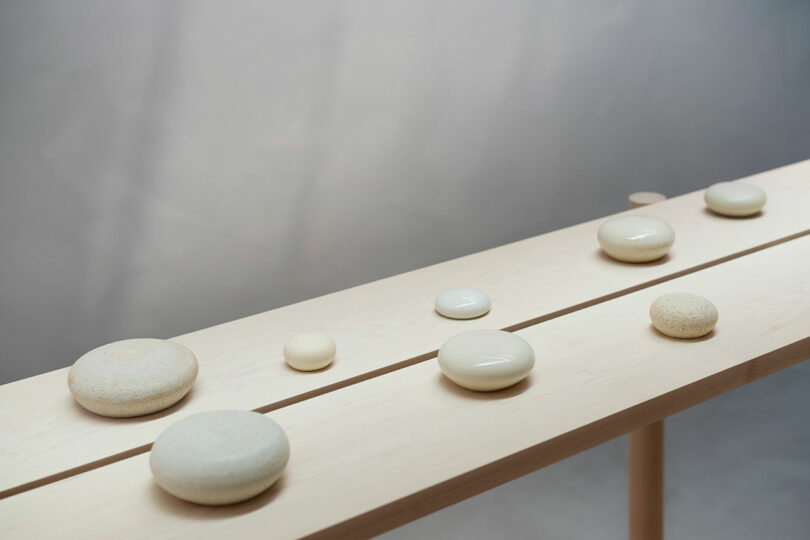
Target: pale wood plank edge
(436, 497)
(403, 364)
(651, 283)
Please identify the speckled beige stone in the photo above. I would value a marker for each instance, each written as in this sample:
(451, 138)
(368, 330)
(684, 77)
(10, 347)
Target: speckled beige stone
(736, 199)
(683, 315)
(219, 457)
(132, 377)
(636, 238)
(310, 351)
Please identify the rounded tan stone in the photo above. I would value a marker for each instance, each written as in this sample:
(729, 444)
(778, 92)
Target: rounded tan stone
(132, 377)
(310, 351)
(683, 315)
(219, 457)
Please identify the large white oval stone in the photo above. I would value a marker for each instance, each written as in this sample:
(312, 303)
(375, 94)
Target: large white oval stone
(310, 351)
(132, 377)
(636, 238)
(486, 360)
(219, 457)
(463, 303)
(736, 199)
(683, 315)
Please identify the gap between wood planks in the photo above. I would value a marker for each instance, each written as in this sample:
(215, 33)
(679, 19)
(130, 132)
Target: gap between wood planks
(403, 364)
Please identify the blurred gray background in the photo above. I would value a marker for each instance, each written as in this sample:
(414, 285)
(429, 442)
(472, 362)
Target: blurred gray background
(167, 166)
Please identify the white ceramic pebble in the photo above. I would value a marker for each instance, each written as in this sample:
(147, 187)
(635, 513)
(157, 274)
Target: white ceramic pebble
(736, 199)
(683, 315)
(463, 303)
(636, 238)
(310, 351)
(219, 457)
(132, 377)
(486, 360)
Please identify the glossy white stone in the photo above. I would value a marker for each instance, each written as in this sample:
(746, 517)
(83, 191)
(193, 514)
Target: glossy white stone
(486, 360)
(683, 315)
(462, 303)
(736, 199)
(132, 377)
(636, 238)
(219, 457)
(310, 351)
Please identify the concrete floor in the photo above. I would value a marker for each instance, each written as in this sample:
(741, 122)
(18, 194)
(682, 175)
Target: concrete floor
(737, 468)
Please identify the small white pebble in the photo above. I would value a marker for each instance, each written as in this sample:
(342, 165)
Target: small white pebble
(683, 315)
(736, 199)
(310, 351)
(462, 303)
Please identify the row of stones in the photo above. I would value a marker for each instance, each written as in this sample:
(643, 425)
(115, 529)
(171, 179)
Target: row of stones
(141, 376)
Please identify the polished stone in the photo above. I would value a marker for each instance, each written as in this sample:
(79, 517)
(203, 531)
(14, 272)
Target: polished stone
(132, 377)
(219, 457)
(486, 360)
(736, 199)
(636, 238)
(462, 303)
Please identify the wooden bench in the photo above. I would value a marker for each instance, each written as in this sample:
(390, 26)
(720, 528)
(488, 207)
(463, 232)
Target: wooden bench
(380, 437)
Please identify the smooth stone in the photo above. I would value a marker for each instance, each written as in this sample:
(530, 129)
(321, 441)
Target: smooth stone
(486, 360)
(645, 198)
(463, 303)
(132, 377)
(636, 238)
(219, 457)
(736, 199)
(683, 315)
(310, 351)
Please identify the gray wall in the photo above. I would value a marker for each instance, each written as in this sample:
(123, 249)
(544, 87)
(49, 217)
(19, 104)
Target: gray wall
(166, 166)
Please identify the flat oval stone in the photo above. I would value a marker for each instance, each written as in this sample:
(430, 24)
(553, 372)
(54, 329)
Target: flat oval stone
(736, 199)
(219, 457)
(310, 351)
(636, 238)
(463, 303)
(683, 315)
(486, 360)
(132, 377)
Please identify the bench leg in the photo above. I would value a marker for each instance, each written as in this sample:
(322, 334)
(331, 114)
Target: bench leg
(646, 475)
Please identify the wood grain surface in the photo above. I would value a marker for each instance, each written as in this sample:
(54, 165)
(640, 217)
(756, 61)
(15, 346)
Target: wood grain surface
(368, 457)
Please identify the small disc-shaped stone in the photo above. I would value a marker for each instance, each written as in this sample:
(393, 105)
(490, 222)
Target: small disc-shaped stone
(310, 351)
(636, 238)
(736, 199)
(132, 377)
(462, 303)
(683, 315)
(486, 360)
(219, 457)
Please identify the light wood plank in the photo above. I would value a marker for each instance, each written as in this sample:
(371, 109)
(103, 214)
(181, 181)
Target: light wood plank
(374, 455)
(382, 326)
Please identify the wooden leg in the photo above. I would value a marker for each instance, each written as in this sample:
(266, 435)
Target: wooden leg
(647, 482)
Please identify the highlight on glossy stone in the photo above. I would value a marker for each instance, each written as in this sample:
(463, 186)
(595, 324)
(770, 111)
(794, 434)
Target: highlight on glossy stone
(310, 351)
(683, 315)
(486, 360)
(735, 199)
(132, 377)
(636, 238)
(462, 303)
(219, 457)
